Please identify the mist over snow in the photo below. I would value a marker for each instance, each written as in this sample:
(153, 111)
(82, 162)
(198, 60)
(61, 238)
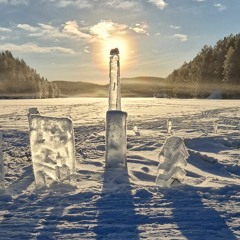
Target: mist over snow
(126, 203)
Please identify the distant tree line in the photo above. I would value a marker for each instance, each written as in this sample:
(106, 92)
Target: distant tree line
(17, 79)
(213, 69)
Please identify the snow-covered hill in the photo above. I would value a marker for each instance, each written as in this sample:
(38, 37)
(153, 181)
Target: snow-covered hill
(126, 204)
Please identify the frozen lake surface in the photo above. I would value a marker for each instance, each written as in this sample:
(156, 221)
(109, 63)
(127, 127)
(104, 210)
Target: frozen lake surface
(126, 204)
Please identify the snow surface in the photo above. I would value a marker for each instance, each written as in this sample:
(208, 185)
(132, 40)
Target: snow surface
(126, 203)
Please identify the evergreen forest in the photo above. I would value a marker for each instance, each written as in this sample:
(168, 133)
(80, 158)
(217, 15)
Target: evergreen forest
(213, 69)
(18, 80)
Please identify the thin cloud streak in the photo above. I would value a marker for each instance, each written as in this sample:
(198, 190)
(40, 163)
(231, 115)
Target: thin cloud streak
(175, 27)
(34, 48)
(67, 30)
(2, 29)
(118, 4)
(14, 2)
(27, 27)
(81, 4)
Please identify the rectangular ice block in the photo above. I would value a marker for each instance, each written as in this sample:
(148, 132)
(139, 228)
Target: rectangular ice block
(116, 139)
(53, 149)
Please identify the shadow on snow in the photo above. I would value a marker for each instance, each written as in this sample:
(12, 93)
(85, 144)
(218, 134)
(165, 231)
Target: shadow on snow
(116, 216)
(195, 219)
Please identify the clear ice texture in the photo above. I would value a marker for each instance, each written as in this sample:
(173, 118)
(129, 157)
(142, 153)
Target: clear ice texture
(116, 139)
(114, 86)
(172, 161)
(52, 149)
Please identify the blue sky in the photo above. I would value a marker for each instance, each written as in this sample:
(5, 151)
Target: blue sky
(71, 39)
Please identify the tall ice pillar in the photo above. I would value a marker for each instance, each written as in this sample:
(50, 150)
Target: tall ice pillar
(116, 137)
(114, 86)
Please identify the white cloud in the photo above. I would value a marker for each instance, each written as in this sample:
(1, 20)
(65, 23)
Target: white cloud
(47, 31)
(47, 27)
(105, 28)
(122, 4)
(77, 3)
(27, 27)
(79, 31)
(181, 37)
(69, 29)
(140, 28)
(219, 6)
(34, 48)
(118, 4)
(2, 29)
(199, 0)
(72, 28)
(14, 2)
(159, 3)
(175, 27)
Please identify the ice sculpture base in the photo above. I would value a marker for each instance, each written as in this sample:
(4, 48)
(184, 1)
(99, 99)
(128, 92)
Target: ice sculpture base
(116, 139)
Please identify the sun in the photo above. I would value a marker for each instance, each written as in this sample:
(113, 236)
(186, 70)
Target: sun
(104, 47)
(121, 44)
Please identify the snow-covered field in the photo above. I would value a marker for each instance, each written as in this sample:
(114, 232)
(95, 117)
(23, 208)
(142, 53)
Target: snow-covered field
(126, 204)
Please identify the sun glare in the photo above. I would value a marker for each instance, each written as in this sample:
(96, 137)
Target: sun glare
(123, 44)
(119, 43)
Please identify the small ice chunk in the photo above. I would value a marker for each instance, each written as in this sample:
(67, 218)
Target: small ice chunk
(2, 185)
(52, 149)
(172, 161)
(135, 129)
(32, 111)
(215, 126)
(169, 126)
